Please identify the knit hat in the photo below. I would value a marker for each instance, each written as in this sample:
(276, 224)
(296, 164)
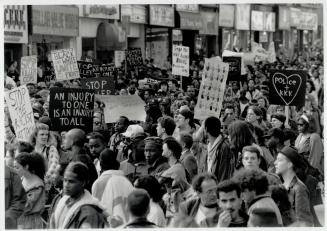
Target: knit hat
(279, 116)
(292, 154)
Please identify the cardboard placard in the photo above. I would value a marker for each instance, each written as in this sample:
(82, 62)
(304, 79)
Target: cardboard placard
(28, 70)
(65, 64)
(85, 69)
(234, 73)
(71, 108)
(21, 112)
(119, 58)
(287, 87)
(181, 61)
(131, 106)
(104, 70)
(49, 73)
(213, 84)
(101, 85)
(134, 57)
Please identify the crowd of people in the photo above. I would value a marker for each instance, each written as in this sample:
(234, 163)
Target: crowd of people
(255, 165)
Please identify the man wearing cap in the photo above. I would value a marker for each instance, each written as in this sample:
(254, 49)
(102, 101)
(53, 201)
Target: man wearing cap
(278, 120)
(153, 155)
(275, 140)
(286, 163)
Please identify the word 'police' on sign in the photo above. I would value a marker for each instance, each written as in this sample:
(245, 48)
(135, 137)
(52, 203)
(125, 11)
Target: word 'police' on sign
(131, 106)
(71, 108)
(102, 85)
(65, 64)
(28, 69)
(181, 62)
(21, 112)
(287, 87)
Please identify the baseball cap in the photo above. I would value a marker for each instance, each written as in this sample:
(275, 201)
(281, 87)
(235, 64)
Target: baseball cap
(133, 130)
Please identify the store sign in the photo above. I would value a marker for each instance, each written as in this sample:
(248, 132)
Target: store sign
(309, 21)
(257, 20)
(210, 23)
(15, 24)
(188, 7)
(242, 17)
(162, 16)
(55, 20)
(138, 14)
(226, 15)
(295, 17)
(190, 21)
(284, 18)
(101, 11)
(269, 21)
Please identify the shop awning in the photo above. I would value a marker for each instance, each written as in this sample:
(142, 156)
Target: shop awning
(190, 21)
(108, 37)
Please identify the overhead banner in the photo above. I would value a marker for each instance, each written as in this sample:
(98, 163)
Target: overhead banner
(131, 106)
(212, 89)
(85, 69)
(101, 86)
(287, 87)
(65, 64)
(21, 112)
(181, 61)
(15, 28)
(71, 108)
(28, 70)
(119, 58)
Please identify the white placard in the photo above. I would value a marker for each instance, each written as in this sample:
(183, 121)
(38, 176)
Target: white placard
(181, 61)
(65, 64)
(28, 70)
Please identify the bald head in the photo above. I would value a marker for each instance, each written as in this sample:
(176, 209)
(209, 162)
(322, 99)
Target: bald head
(74, 137)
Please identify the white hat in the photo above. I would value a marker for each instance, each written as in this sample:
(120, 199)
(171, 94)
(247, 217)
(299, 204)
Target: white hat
(132, 130)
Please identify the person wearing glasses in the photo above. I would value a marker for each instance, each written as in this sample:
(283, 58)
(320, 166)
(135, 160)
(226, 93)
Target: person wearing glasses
(309, 142)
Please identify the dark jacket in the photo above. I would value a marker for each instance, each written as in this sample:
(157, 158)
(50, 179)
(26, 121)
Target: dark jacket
(140, 223)
(299, 197)
(191, 207)
(158, 166)
(15, 198)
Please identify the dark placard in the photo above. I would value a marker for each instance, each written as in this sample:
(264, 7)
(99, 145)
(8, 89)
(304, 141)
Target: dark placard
(287, 87)
(134, 57)
(234, 68)
(101, 85)
(71, 108)
(104, 70)
(49, 72)
(85, 69)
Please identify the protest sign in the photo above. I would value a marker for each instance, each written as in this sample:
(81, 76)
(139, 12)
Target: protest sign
(71, 108)
(85, 69)
(101, 85)
(65, 64)
(131, 106)
(21, 112)
(28, 70)
(181, 61)
(287, 87)
(212, 89)
(227, 53)
(234, 73)
(134, 57)
(49, 73)
(119, 58)
(104, 70)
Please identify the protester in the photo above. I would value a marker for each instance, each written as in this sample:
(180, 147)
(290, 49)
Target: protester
(120, 127)
(96, 145)
(165, 127)
(153, 155)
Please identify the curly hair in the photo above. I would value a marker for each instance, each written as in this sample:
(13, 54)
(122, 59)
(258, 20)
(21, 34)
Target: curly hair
(240, 135)
(34, 161)
(253, 180)
(197, 181)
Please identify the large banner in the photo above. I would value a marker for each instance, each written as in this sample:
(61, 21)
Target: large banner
(211, 94)
(181, 61)
(71, 108)
(131, 106)
(287, 87)
(104, 70)
(101, 85)
(28, 70)
(65, 64)
(85, 69)
(21, 112)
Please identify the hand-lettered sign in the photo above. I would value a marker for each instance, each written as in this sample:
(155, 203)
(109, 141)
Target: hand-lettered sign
(234, 73)
(65, 64)
(181, 61)
(104, 70)
(21, 112)
(287, 87)
(85, 69)
(101, 85)
(71, 108)
(28, 70)
(134, 57)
